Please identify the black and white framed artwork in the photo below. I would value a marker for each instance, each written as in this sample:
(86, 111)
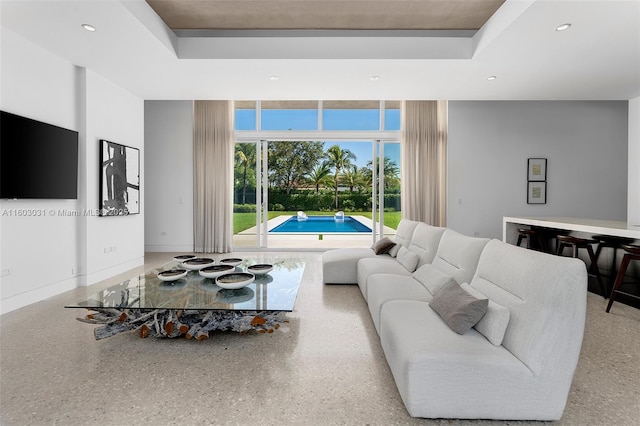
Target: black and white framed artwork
(119, 179)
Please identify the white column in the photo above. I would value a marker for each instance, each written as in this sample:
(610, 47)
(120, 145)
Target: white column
(633, 186)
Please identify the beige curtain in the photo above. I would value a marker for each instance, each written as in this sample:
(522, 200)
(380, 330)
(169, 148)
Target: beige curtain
(424, 161)
(213, 148)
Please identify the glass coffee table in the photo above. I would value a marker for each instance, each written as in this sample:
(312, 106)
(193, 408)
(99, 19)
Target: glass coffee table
(193, 306)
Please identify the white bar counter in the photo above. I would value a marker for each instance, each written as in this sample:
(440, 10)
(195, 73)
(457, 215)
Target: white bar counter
(510, 226)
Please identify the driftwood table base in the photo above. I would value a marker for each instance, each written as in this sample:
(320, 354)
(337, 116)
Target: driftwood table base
(192, 324)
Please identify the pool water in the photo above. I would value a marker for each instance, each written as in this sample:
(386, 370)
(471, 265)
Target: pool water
(321, 225)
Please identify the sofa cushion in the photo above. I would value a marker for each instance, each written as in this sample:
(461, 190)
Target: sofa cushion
(425, 241)
(408, 259)
(459, 310)
(382, 246)
(458, 255)
(494, 323)
(432, 278)
(382, 264)
(546, 298)
(381, 288)
(404, 232)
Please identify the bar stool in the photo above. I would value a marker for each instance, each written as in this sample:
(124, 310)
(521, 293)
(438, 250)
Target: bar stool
(615, 243)
(576, 243)
(632, 253)
(549, 237)
(530, 235)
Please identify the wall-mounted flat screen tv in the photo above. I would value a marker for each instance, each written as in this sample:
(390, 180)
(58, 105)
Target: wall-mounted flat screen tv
(37, 160)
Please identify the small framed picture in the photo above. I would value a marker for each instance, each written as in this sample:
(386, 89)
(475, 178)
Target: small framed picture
(537, 169)
(537, 193)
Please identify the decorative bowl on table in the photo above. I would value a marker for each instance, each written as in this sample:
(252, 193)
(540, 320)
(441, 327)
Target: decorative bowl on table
(260, 268)
(183, 257)
(198, 263)
(216, 270)
(172, 275)
(235, 280)
(234, 261)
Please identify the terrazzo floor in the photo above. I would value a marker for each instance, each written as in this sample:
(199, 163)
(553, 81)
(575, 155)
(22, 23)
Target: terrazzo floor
(325, 367)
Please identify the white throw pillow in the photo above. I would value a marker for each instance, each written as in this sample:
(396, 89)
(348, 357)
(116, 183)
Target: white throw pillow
(407, 258)
(432, 278)
(494, 323)
(393, 252)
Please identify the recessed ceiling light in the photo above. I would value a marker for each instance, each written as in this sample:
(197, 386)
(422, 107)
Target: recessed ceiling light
(492, 77)
(563, 27)
(274, 78)
(374, 78)
(89, 27)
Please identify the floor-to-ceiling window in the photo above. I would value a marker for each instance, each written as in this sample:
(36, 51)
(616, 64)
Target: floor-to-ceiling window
(298, 163)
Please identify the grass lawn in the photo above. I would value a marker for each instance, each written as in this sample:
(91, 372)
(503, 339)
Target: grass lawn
(242, 221)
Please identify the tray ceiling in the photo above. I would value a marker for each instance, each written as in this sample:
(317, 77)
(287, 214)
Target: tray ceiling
(325, 15)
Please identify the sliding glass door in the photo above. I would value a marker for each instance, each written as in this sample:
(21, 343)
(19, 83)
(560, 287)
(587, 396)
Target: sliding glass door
(299, 163)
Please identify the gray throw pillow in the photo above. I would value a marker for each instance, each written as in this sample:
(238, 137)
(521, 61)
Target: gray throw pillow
(382, 246)
(459, 310)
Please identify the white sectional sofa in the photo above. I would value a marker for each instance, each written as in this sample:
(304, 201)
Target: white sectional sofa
(518, 360)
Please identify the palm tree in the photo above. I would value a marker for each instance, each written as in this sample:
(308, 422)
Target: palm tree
(320, 175)
(390, 170)
(339, 159)
(245, 157)
(353, 177)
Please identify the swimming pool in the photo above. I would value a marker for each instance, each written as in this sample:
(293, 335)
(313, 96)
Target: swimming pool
(320, 225)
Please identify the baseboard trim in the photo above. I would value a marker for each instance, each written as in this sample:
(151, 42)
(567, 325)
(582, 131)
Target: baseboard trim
(24, 299)
(163, 248)
(30, 297)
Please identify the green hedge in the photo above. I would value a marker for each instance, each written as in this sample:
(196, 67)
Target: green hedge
(244, 208)
(325, 201)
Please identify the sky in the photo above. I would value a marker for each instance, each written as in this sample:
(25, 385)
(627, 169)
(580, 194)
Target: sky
(361, 119)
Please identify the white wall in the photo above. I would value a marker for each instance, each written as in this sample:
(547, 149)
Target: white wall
(38, 85)
(117, 116)
(63, 249)
(633, 208)
(586, 145)
(169, 171)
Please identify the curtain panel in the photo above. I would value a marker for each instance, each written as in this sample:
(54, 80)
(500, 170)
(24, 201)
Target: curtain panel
(213, 149)
(424, 161)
